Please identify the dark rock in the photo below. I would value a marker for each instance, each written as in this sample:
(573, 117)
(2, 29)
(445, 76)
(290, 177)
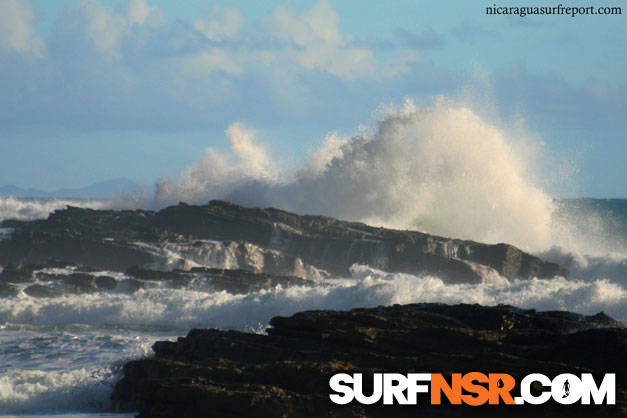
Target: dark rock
(336, 245)
(88, 269)
(59, 264)
(175, 279)
(104, 239)
(37, 246)
(80, 283)
(77, 283)
(8, 290)
(46, 277)
(105, 282)
(17, 273)
(40, 291)
(286, 372)
(234, 281)
(243, 281)
(145, 273)
(130, 285)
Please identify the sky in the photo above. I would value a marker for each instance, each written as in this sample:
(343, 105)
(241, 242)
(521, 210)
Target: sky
(92, 90)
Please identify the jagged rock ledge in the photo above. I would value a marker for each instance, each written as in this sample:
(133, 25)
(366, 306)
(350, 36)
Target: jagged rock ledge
(108, 239)
(76, 279)
(285, 373)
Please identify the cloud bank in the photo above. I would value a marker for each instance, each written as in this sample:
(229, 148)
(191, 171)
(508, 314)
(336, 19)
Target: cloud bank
(17, 32)
(128, 66)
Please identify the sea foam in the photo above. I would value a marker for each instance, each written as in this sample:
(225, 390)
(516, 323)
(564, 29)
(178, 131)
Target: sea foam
(64, 354)
(203, 307)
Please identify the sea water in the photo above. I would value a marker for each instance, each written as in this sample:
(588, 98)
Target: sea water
(63, 355)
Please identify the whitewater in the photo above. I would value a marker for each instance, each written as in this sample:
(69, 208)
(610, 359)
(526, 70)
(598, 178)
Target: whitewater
(65, 354)
(443, 169)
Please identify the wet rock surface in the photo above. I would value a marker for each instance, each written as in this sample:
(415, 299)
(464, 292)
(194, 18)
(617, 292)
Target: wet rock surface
(8, 290)
(17, 273)
(41, 291)
(105, 282)
(284, 243)
(285, 372)
(47, 281)
(242, 281)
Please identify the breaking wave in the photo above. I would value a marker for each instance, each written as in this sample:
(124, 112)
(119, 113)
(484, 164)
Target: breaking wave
(443, 170)
(69, 369)
(183, 308)
(31, 208)
(74, 345)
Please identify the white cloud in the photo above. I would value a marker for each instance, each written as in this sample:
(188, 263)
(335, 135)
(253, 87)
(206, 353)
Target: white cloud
(103, 27)
(316, 43)
(300, 41)
(350, 63)
(212, 59)
(17, 30)
(309, 40)
(138, 11)
(317, 24)
(224, 25)
(106, 27)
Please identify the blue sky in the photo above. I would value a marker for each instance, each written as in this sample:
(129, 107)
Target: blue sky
(92, 90)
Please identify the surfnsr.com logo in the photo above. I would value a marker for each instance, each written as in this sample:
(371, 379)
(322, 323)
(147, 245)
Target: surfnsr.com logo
(471, 389)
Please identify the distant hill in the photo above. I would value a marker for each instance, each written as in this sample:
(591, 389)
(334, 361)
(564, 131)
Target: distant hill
(100, 190)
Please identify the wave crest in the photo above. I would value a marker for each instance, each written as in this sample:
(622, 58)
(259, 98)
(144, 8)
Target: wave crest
(442, 169)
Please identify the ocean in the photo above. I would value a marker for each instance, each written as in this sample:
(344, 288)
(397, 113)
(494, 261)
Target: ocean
(63, 355)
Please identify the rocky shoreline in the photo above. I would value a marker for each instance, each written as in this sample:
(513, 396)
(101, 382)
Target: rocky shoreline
(285, 372)
(268, 241)
(228, 248)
